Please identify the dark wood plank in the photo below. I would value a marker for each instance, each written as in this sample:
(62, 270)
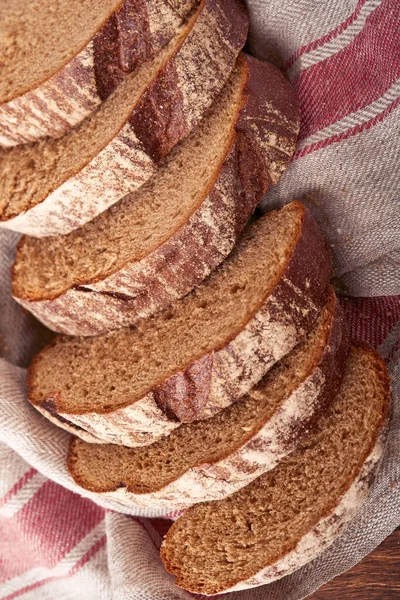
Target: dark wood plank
(377, 577)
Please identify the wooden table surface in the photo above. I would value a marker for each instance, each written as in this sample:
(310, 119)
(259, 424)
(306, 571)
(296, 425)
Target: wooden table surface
(377, 577)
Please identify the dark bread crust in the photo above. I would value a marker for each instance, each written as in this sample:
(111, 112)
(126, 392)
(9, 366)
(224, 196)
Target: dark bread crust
(159, 121)
(162, 119)
(197, 247)
(327, 374)
(50, 408)
(123, 43)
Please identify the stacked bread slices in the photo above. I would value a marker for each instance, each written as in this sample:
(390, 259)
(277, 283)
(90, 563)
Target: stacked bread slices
(61, 62)
(64, 182)
(289, 515)
(134, 385)
(158, 243)
(208, 459)
(204, 362)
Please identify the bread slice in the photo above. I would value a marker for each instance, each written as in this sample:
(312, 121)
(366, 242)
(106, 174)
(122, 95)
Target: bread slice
(211, 459)
(56, 185)
(288, 516)
(132, 386)
(158, 243)
(59, 65)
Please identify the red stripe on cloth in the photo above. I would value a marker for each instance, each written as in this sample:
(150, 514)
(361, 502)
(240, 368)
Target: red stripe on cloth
(173, 515)
(18, 486)
(371, 320)
(339, 137)
(14, 558)
(54, 521)
(355, 76)
(89, 554)
(81, 562)
(325, 38)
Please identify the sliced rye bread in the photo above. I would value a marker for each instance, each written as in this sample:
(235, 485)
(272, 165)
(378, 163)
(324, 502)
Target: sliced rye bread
(208, 460)
(134, 385)
(52, 82)
(291, 514)
(158, 243)
(56, 185)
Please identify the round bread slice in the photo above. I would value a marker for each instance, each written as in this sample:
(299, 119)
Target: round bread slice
(208, 460)
(59, 65)
(157, 244)
(56, 185)
(132, 386)
(291, 514)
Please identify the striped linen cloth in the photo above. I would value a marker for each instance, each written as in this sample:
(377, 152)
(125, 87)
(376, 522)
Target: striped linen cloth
(343, 57)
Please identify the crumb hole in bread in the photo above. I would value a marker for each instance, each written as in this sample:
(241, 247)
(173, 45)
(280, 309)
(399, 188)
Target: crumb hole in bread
(168, 315)
(238, 287)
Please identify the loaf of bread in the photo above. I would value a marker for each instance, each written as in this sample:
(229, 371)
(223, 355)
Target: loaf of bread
(61, 61)
(56, 185)
(211, 369)
(158, 243)
(133, 386)
(289, 515)
(208, 460)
